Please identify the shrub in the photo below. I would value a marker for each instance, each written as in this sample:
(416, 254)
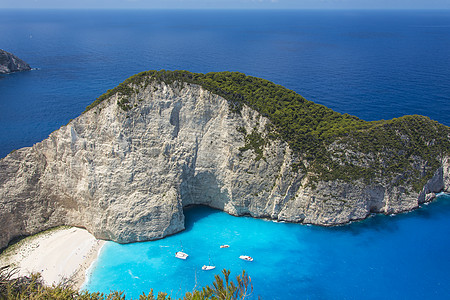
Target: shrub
(32, 288)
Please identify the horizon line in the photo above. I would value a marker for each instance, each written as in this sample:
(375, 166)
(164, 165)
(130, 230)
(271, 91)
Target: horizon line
(226, 8)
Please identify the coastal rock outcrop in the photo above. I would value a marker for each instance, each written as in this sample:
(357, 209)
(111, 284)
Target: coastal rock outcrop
(10, 63)
(125, 169)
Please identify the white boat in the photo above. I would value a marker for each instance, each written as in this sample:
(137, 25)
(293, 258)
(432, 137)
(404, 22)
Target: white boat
(224, 246)
(181, 255)
(246, 257)
(208, 267)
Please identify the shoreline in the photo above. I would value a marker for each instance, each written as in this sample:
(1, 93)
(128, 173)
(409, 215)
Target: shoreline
(80, 276)
(60, 255)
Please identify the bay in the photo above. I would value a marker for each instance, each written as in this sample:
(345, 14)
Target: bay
(372, 64)
(383, 257)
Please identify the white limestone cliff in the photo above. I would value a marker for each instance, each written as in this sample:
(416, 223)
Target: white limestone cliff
(126, 175)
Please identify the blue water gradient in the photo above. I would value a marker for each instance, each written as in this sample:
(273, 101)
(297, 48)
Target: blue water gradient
(375, 65)
(383, 257)
(372, 64)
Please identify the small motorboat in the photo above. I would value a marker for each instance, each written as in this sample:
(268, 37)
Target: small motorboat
(208, 267)
(224, 246)
(181, 255)
(246, 257)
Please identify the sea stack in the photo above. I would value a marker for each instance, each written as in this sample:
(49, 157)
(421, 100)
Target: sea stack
(10, 63)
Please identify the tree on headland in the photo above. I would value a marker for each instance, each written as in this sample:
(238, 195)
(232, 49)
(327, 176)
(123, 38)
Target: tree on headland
(13, 287)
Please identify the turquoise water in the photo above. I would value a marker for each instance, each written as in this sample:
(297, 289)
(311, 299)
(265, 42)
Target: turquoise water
(383, 257)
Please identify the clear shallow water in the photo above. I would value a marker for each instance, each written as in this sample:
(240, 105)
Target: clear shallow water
(400, 257)
(375, 65)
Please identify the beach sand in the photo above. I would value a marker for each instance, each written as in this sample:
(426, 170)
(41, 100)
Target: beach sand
(57, 254)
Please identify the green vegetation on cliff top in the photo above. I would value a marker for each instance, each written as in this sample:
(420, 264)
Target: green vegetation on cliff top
(405, 149)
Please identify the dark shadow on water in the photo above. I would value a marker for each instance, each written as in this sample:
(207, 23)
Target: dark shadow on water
(374, 223)
(194, 213)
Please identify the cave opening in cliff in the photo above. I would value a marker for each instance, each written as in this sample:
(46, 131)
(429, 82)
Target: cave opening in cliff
(196, 212)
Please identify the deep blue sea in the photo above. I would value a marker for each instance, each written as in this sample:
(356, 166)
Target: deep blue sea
(372, 64)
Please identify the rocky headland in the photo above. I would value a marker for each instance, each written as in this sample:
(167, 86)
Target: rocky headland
(10, 63)
(162, 140)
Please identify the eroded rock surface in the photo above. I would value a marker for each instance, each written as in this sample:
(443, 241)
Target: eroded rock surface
(10, 63)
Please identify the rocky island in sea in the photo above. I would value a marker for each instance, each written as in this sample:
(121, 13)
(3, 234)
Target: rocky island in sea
(10, 63)
(163, 140)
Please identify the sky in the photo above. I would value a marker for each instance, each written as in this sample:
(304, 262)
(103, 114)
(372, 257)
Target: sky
(226, 4)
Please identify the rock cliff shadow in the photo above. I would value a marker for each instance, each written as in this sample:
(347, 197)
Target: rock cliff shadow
(439, 208)
(194, 213)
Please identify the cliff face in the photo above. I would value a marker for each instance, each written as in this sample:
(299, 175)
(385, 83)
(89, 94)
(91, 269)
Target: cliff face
(10, 63)
(125, 169)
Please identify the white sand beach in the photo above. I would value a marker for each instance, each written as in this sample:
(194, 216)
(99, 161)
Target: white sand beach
(58, 254)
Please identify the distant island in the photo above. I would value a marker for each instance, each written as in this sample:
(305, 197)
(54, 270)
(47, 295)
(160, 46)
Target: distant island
(10, 63)
(164, 140)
